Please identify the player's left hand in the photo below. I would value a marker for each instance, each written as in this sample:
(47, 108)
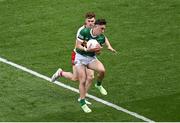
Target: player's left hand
(111, 49)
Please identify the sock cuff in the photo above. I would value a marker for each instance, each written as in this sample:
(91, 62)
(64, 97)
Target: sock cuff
(98, 83)
(61, 73)
(82, 102)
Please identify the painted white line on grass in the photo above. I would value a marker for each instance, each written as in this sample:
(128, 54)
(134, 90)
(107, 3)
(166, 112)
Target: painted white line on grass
(75, 90)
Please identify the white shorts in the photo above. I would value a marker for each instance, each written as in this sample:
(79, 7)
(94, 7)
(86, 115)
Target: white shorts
(83, 60)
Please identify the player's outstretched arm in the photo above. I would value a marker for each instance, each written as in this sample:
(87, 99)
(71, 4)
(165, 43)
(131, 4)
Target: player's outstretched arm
(109, 47)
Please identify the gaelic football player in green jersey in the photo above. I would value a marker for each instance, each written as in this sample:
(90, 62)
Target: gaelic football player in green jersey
(87, 58)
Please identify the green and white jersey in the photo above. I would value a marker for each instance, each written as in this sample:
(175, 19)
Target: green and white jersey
(84, 36)
(82, 27)
(79, 30)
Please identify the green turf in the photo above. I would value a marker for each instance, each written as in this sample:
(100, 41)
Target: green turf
(24, 97)
(143, 76)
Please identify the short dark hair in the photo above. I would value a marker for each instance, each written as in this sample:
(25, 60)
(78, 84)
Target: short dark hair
(90, 15)
(100, 22)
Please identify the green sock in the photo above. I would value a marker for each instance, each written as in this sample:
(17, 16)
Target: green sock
(82, 102)
(98, 83)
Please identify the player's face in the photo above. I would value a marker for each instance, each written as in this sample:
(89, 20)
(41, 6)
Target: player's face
(100, 29)
(90, 22)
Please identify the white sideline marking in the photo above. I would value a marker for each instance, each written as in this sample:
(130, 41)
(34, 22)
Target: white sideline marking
(76, 90)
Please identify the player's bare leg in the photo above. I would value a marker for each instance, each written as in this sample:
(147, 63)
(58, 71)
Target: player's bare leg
(99, 67)
(81, 70)
(68, 75)
(89, 79)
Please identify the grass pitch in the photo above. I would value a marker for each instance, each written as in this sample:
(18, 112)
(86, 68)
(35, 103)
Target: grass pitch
(143, 77)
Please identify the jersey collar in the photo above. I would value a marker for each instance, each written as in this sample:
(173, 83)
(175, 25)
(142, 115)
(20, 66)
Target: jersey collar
(92, 34)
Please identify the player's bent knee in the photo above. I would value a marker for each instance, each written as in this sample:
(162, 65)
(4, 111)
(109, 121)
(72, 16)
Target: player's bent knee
(74, 79)
(82, 81)
(102, 71)
(90, 78)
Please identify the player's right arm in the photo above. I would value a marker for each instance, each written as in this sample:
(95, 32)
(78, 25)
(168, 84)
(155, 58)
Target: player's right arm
(80, 46)
(109, 47)
(80, 39)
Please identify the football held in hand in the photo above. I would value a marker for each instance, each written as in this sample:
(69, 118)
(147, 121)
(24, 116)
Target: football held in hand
(93, 46)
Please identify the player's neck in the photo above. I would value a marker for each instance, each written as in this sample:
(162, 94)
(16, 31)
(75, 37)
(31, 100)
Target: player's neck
(93, 33)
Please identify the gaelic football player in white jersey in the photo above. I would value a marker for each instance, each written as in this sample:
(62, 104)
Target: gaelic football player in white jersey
(89, 23)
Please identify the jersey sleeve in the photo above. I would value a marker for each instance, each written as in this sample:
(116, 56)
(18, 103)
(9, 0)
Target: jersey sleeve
(77, 34)
(82, 35)
(104, 39)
